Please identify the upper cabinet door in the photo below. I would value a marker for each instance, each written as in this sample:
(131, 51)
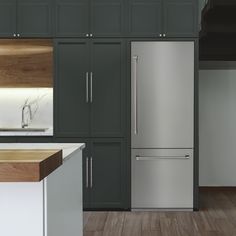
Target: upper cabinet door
(72, 18)
(34, 18)
(180, 18)
(107, 88)
(7, 18)
(107, 17)
(71, 88)
(145, 18)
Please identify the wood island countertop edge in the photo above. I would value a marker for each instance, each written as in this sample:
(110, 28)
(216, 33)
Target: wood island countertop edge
(29, 171)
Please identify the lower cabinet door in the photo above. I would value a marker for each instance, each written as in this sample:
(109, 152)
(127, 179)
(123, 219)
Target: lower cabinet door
(107, 176)
(86, 187)
(162, 178)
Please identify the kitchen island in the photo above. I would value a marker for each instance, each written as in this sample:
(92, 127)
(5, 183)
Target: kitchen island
(41, 189)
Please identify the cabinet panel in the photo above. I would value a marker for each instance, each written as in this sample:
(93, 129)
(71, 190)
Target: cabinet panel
(7, 139)
(107, 17)
(7, 18)
(107, 107)
(107, 174)
(72, 18)
(34, 18)
(72, 107)
(34, 139)
(180, 18)
(145, 18)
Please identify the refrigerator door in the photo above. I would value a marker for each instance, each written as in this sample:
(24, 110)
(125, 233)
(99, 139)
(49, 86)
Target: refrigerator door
(162, 178)
(162, 94)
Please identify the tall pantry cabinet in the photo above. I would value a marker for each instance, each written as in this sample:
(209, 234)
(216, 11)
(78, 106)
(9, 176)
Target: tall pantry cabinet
(91, 104)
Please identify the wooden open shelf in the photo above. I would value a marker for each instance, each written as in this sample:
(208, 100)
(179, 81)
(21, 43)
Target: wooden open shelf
(26, 63)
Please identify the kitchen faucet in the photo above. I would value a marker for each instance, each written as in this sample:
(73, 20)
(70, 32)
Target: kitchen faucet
(25, 123)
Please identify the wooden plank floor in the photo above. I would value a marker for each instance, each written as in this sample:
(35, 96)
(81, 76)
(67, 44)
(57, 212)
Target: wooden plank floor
(217, 217)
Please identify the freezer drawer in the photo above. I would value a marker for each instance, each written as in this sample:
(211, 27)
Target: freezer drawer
(162, 178)
(162, 94)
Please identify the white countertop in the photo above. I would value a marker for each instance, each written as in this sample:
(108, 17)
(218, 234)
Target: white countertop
(48, 132)
(67, 148)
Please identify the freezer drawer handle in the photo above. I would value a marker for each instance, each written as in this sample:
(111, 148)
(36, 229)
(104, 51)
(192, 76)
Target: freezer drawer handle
(135, 58)
(153, 158)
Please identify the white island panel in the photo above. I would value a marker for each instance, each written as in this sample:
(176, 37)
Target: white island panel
(52, 207)
(21, 209)
(64, 203)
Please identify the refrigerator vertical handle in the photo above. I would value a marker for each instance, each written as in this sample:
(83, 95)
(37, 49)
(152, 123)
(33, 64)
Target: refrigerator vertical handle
(135, 58)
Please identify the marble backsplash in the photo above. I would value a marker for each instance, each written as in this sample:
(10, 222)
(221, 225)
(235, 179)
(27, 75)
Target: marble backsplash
(12, 101)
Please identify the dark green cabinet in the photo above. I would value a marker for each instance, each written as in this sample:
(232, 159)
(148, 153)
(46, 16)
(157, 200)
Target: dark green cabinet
(34, 18)
(98, 18)
(145, 18)
(71, 18)
(89, 18)
(104, 174)
(90, 88)
(7, 18)
(25, 18)
(180, 18)
(162, 18)
(90, 97)
(107, 18)
(71, 87)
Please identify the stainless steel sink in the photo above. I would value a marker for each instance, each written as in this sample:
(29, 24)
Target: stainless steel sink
(23, 129)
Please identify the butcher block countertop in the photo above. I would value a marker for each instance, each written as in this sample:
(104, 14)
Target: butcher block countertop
(28, 165)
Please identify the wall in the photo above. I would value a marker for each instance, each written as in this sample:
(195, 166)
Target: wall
(217, 123)
(12, 101)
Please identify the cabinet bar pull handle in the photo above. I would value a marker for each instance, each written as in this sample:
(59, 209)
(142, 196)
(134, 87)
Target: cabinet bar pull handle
(91, 172)
(87, 87)
(135, 58)
(91, 87)
(153, 158)
(87, 172)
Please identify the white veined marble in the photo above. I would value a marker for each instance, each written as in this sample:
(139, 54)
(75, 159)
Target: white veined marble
(11, 103)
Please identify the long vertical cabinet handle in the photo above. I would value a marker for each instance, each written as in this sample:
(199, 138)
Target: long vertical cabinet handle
(87, 87)
(135, 58)
(91, 172)
(87, 172)
(91, 87)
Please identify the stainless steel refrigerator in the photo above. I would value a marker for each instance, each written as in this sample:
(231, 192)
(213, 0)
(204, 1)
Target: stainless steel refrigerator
(162, 130)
